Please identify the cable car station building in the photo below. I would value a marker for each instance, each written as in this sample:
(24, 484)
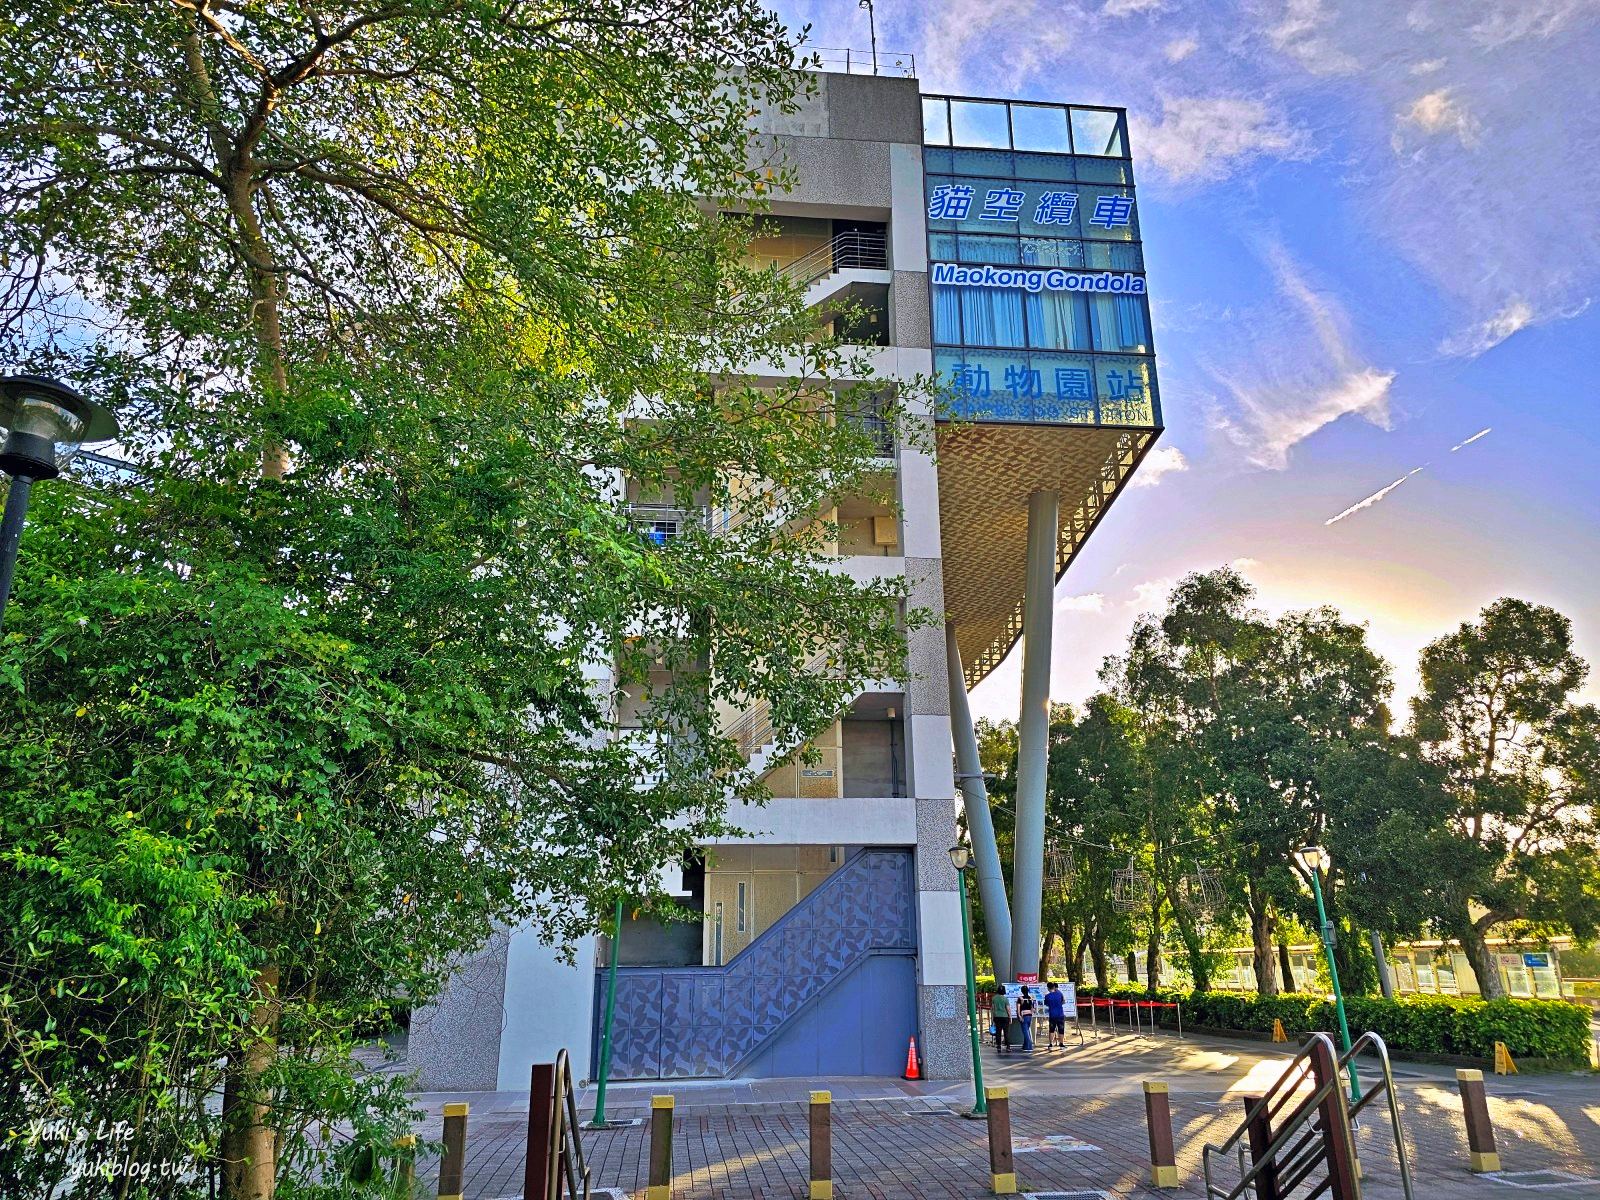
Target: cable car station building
(993, 244)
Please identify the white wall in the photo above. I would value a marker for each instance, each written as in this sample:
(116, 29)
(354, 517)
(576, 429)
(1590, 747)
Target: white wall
(851, 821)
(549, 1006)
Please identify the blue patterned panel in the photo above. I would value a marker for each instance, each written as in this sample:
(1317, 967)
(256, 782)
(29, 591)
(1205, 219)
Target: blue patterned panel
(704, 1021)
(636, 1031)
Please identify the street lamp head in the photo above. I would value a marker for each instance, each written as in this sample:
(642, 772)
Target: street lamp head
(959, 857)
(1312, 858)
(44, 422)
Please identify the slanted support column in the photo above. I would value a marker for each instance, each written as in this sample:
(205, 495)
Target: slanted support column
(980, 822)
(1033, 731)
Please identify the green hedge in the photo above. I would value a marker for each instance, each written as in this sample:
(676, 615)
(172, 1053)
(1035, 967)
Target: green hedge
(1552, 1030)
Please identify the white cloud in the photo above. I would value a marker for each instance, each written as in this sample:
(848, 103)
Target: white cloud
(1273, 421)
(1091, 602)
(1516, 316)
(1440, 112)
(1206, 138)
(1162, 461)
(1372, 499)
(1152, 594)
(1287, 387)
(1473, 438)
(1128, 8)
(1514, 20)
(1428, 67)
(1302, 32)
(1245, 563)
(1180, 48)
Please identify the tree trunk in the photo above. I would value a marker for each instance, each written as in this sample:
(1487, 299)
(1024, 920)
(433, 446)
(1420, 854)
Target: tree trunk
(1075, 966)
(1261, 941)
(1484, 964)
(1132, 960)
(1199, 969)
(249, 1140)
(1286, 968)
(1102, 968)
(1152, 962)
(1044, 954)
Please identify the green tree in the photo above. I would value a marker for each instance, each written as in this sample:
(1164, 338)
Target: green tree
(1251, 707)
(1497, 715)
(302, 702)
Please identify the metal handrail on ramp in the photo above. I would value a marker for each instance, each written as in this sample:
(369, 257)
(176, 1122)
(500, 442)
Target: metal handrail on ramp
(1286, 1137)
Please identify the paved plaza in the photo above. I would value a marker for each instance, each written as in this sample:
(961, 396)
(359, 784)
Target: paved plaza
(1078, 1125)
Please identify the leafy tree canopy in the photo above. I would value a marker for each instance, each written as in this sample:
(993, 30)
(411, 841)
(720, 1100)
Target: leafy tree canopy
(402, 304)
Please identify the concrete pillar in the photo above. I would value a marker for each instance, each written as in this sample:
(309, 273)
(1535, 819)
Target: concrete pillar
(980, 822)
(1033, 732)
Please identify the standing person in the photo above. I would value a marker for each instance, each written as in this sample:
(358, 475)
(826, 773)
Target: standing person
(1056, 1007)
(1025, 1012)
(1000, 1009)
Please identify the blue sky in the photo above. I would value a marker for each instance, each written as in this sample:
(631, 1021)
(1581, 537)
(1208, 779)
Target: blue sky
(1372, 230)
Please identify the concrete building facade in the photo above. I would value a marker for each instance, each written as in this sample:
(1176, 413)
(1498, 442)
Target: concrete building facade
(832, 925)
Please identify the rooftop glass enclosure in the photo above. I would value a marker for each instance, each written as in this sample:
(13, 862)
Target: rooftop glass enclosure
(1039, 306)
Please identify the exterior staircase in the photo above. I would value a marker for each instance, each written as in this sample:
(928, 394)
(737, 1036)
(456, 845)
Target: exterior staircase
(854, 256)
(845, 954)
(753, 729)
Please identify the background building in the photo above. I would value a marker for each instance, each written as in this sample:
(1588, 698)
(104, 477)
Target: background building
(831, 930)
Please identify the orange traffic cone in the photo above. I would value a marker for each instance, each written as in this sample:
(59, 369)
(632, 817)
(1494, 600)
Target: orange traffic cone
(911, 1061)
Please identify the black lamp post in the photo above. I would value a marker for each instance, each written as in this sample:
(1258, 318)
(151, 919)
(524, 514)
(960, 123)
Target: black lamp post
(44, 421)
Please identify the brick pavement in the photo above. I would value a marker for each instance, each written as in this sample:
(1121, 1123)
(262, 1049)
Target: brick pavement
(910, 1148)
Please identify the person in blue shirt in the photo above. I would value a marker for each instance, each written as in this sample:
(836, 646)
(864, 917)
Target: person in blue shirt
(1056, 1006)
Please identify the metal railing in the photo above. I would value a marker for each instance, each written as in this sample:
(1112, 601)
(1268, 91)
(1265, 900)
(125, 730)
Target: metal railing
(753, 728)
(845, 61)
(1285, 1137)
(555, 1165)
(860, 249)
(661, 523)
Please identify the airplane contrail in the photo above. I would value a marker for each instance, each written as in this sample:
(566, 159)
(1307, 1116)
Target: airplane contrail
(1384, 491)
(1374, 498)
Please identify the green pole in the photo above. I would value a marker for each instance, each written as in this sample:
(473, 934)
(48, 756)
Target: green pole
(980, 1106)
(598, 1121)
(1326, 927)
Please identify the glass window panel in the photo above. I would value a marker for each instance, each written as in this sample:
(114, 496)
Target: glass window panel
(938, 159)
(977, 248)
(979, 123)
(992, 317)
(935, 122)
(1102, 170)
(1048, 166)
(1052, 209)
(1108, 214)
(942, 246)
(946, 314)
(1058, 321)
(935, 204)
(1066, 394)
(970, 379)
(1096, 131)
(982, 162)
(1127, 390)
(1113, 256)
(1050, 252)
(1120, 324)
(1040, 127)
